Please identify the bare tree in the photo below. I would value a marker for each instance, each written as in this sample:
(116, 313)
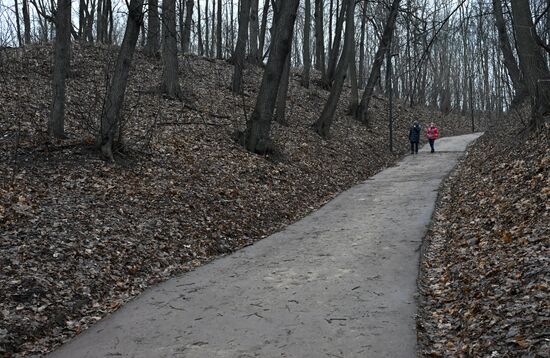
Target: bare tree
(238, 56)
(263, 29)
(254, 56)
(170, 77)
(256, 137)
(115, 94)
(307, 55)
(189, 4)
(219, 53)
(153, 28)
(26, 22)
(61, 67)
(322, 125)
(319, 38)
(374, 76)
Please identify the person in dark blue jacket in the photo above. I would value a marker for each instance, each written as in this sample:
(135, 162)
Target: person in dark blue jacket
(414, 137)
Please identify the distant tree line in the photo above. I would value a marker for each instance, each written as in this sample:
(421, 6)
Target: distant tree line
(467, 56)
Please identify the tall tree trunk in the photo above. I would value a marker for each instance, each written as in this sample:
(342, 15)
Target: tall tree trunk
(26, 22)
(99, 22)
(240, 50)
(307, 34)
(61, 68)
(213, 32)
(362, 110)
(170, 74)
(256, 137)
(520, 88)
(322, 125)
(181, 23)
(219, 32)
(335, 49)
(354, 99)
(319, 38)
(280, 104)
(18, 24)
(207, 30)
(362, 45)
(117, 89)
(531, 61)
(254, 29)
(199, 29)
(189, 4)
(153, 28)
(263, 30)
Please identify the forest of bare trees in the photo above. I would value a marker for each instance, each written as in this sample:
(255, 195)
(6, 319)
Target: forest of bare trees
(474, 57)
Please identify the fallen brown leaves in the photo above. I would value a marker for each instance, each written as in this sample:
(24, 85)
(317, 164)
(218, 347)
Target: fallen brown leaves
(485, 281)
(80, 237)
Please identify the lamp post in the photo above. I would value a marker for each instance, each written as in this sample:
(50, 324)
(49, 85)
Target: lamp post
(389, 89)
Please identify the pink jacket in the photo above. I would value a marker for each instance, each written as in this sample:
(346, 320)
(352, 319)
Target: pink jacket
(432, 133)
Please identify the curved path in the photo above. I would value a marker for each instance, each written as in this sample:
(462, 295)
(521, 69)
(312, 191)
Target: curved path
(339, 283)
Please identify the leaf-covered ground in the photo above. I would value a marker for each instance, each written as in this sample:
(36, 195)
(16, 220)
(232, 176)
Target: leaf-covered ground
(485, 270)
(79, 236)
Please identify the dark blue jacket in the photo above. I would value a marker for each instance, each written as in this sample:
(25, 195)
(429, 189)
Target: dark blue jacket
(414, 133)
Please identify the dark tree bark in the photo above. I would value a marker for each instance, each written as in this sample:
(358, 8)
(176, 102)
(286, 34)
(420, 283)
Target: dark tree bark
(18, 24)
(61, 68)
(307, 55)
(319, 38)
(322, 125)
(254, 29)
(240, 50)
(219, 32)
(362, 110)
(282, 93)
(335, 49)
(256, 137)
(117, 89)
(189, 4)
(213, 28)
(354, 100)
(26, 22)
(263, 29)
(207, 30)
(362, 45)
(153, 28)
(181, 22)
(520, 88)
(170, 74)
(199, 29)
(531, 62)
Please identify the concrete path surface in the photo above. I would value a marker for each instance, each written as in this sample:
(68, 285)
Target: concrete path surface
(339, 283)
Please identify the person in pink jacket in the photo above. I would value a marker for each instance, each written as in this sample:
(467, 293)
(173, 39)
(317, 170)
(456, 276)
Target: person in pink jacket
(432, 135)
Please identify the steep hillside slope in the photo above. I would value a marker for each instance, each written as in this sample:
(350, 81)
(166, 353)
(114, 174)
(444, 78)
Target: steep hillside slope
(79, 237)
(485, 279)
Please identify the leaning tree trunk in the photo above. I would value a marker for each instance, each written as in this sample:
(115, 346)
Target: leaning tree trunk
(170, 77)
(256, 136)
(238, 57)
(117, 89)
(518, 83)
(153, 28)
(263, 28)
(306, 54)
(322, 125)
(61, 68)
(362, 110)
(531, 61)
(335, 49)
(189, 4)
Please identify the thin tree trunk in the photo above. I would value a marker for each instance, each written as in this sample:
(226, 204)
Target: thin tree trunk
(362, 45)
(256, 138)
(26, 22)
(153, 28)
(323, 124)
(199, 29)
(263, 30)
(307, 55)
(254, 29)
(170, 74)
(187, 27)
(219, 32)
(240, 50)
(117, 89)
(280, 105)
(354, 99)
(206, 29)
(319, 38)
(18, 24)
(213, 32)
(362, 110)
(335, 49)
(61, 68)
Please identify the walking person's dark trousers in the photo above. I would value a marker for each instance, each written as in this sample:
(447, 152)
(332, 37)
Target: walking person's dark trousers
(414, 147)
(432, 144)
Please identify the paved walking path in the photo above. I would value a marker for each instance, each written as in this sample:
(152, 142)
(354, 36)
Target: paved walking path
(339, 283)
